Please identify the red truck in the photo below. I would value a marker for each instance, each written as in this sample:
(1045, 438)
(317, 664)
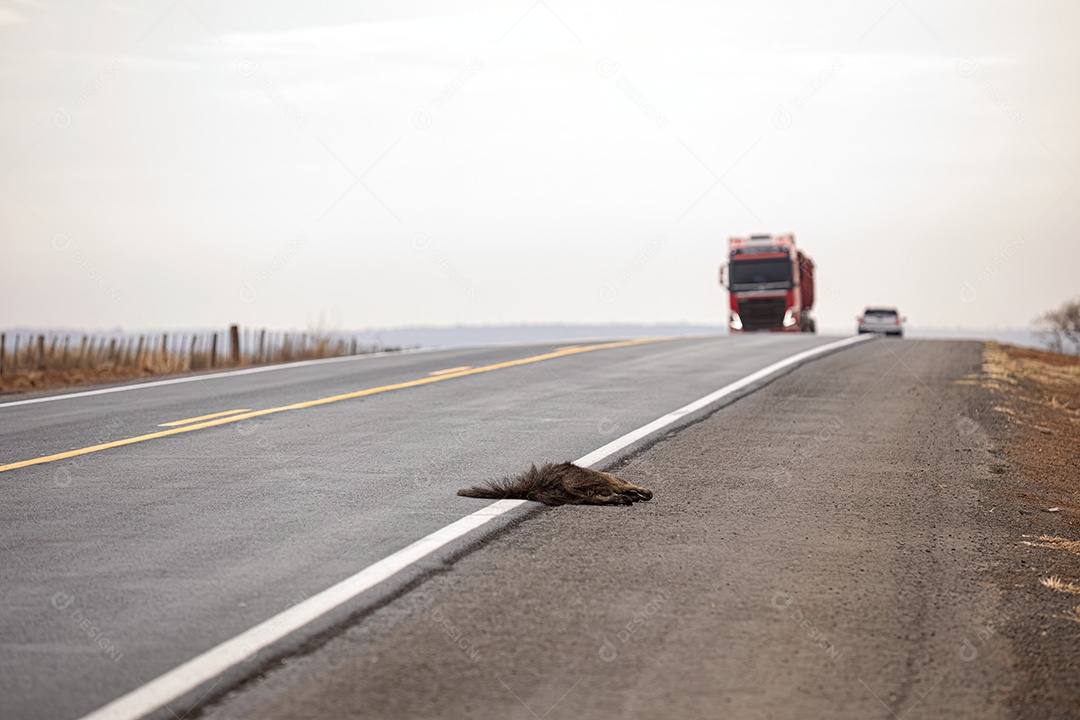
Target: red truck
(771, 284)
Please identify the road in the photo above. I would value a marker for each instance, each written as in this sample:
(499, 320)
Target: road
(824, 547)
(122, 563)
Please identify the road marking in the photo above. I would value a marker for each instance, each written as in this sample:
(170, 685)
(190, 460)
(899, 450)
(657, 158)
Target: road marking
(459, 368)
(634, 435)
(221, 658)
(215, 376)
(321, 401)
(211, 416)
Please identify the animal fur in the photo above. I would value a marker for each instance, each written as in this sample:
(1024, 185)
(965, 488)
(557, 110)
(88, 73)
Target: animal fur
(561, 484)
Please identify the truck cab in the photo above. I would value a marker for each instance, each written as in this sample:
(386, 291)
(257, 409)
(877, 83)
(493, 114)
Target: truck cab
(770, 283)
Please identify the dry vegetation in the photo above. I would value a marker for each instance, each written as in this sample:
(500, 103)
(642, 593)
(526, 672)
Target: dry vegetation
(1060, 328)
(43, 362)
(1039, 394)
(1065, 586)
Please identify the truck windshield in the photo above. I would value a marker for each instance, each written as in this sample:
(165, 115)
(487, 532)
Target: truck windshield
(771, 274)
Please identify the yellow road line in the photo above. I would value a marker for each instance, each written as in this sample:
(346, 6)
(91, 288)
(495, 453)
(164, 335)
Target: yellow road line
(174, 423)
(322, 401)
(447, 371)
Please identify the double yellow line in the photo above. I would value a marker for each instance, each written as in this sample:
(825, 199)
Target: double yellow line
(452, 374)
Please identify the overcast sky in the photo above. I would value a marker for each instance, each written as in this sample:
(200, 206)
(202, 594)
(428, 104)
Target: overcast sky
(379, 164)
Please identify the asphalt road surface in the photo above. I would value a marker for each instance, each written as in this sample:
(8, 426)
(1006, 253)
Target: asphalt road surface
(817, 549)
(120, 564)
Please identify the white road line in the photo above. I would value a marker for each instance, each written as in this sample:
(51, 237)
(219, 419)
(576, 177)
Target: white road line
(658, 424)
(214, 376)
(212, 663)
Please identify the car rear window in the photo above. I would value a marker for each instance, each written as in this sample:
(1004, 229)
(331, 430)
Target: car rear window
(880, 313)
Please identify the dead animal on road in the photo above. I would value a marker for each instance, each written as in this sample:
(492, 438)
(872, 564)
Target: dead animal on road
(561, 484)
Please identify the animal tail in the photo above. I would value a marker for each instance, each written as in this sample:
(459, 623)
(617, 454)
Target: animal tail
(479, 491)
(504, 489)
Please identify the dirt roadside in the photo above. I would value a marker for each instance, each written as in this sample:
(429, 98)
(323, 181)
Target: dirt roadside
(1030, 408)
(852, 541)
(28, 381)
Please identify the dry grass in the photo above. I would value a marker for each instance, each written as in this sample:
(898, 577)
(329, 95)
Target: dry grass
(52, 361)
(1008, 365)
(1037, 393)
(1056, 543)
(1055, 583)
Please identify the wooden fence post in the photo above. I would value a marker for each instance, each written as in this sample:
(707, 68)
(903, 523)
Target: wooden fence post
(234, 343)
(40, 352)
(213, 350)
(3, 342)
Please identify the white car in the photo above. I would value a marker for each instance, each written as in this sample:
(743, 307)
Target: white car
(884, 320)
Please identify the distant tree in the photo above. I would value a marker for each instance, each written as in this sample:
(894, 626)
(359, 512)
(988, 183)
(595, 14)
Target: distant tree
(1061, 326)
